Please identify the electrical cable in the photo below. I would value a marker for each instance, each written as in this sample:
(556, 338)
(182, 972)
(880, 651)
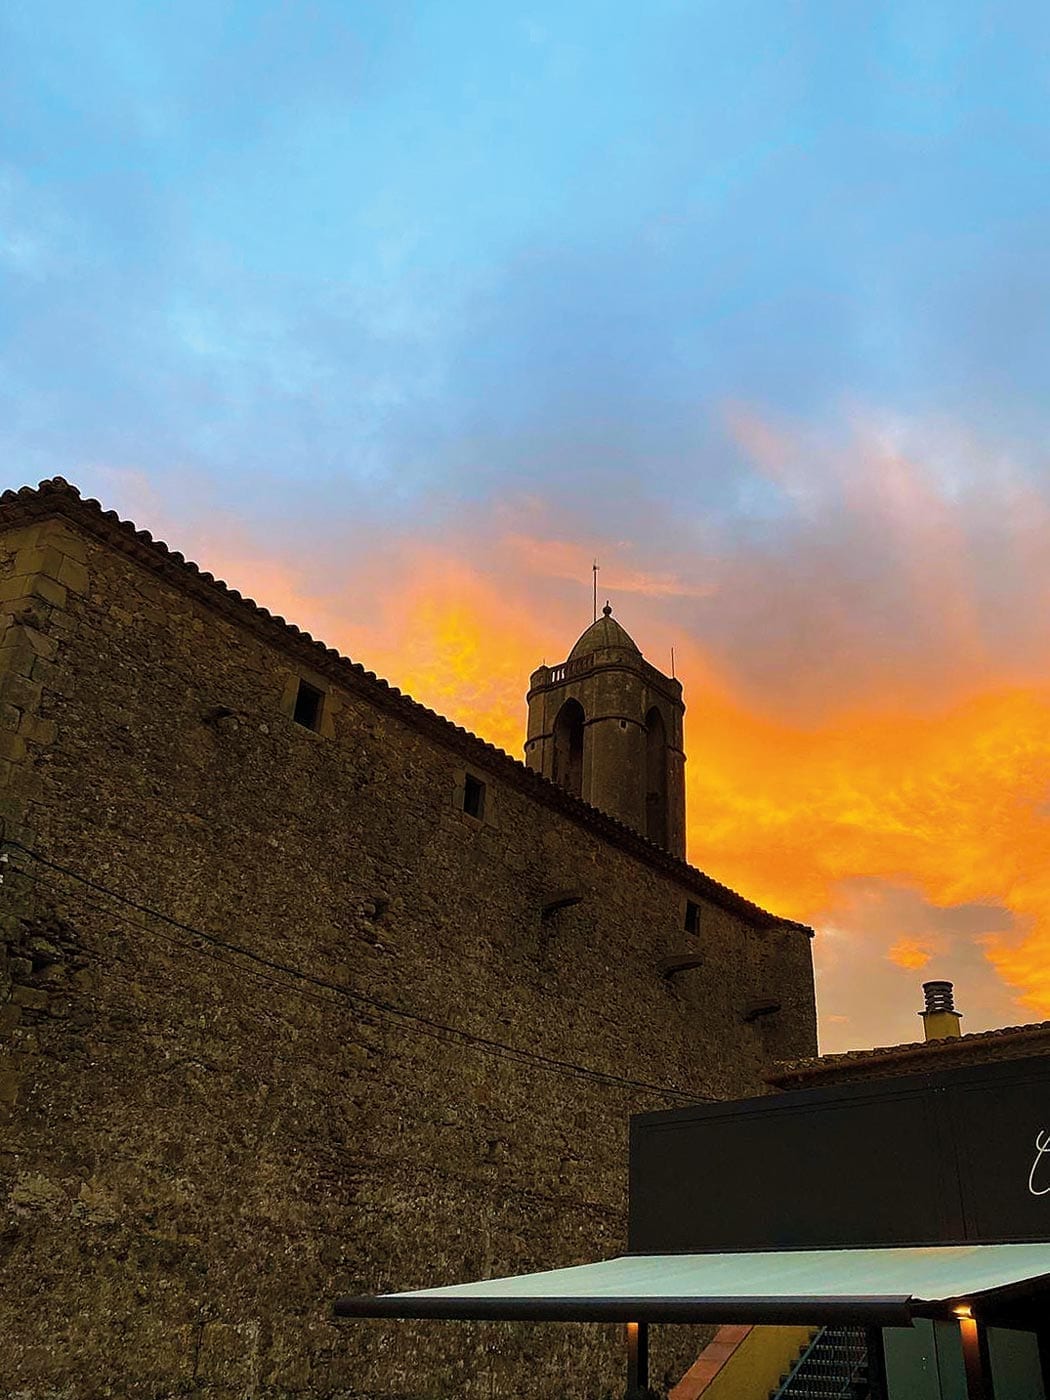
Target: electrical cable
(418, 1022)
(369, 1018)
(420, 1025)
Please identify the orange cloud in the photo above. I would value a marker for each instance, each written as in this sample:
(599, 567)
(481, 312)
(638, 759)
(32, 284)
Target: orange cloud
(909, 954)
(950, 802)
(868, 690)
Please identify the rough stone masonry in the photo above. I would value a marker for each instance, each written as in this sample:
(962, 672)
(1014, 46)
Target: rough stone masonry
(280, 1018)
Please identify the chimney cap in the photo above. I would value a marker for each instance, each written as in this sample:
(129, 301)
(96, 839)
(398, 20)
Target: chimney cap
(938, 996)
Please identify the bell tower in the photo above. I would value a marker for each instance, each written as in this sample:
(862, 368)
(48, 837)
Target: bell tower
(607, 726)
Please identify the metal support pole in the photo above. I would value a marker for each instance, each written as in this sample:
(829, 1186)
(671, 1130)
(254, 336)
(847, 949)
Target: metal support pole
(1043, 1338)
(637, 1357)
(975, 1359)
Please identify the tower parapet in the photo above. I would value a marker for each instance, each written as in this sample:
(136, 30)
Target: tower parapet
(607, 726)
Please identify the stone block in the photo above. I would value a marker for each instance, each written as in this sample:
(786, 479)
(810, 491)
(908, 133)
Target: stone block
(73, 546)
(41, 643)
(74, 575)
(32, 998)
(32, 559)
(20, 587)
(12, 746)
(17, 690)
(48, 674)
(14, 588)
(16, 655)
(46, 558)
(38, 586)
(36, 730)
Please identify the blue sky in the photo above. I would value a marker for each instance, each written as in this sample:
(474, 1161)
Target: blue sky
(345, 241)
(671, 281)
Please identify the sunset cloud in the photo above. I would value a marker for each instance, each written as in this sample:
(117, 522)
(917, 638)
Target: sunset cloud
(910, 954)
(883, 773)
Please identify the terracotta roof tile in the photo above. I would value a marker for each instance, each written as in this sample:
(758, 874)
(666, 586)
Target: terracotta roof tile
(58, 497)
(885, 1057)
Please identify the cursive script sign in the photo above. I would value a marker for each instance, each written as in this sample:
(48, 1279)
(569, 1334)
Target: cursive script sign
(1042, 1146)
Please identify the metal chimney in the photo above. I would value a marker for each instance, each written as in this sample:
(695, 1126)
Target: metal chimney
(940, 1020)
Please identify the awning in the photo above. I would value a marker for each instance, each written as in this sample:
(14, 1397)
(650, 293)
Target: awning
(877, 1287)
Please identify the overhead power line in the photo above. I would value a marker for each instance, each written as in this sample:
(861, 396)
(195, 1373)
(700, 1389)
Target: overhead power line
(404, 1018)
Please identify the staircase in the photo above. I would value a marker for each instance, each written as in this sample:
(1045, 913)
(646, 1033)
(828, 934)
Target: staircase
(833, 1367)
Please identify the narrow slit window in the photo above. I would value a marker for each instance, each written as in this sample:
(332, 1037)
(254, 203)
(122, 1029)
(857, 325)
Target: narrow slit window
(474, 797)
(307, 710)
(692, 917)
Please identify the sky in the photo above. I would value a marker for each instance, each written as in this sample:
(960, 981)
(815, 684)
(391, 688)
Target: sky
(397, 315)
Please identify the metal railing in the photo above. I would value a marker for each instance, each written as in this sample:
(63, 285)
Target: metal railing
(580, 665)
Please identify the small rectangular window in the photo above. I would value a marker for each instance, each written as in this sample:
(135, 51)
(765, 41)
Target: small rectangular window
(474, 797)
(307, 710)
(692, 917)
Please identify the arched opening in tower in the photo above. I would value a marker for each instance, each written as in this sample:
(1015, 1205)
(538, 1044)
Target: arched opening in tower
(568, 747)
(656, 778)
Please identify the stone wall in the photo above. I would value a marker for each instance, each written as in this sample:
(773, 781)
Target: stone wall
(218, 1120)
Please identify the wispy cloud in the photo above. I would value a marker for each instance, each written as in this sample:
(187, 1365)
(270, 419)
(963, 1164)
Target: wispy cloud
(564, 559)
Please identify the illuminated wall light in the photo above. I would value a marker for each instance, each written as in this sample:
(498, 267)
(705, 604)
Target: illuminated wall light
(968, 1337)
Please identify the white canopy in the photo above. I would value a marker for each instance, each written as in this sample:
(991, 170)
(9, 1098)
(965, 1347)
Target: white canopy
(881, 1287)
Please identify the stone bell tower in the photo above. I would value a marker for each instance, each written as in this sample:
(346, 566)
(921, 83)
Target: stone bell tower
(608, 727)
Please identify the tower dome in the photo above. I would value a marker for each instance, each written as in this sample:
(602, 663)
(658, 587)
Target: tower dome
(602, 635)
